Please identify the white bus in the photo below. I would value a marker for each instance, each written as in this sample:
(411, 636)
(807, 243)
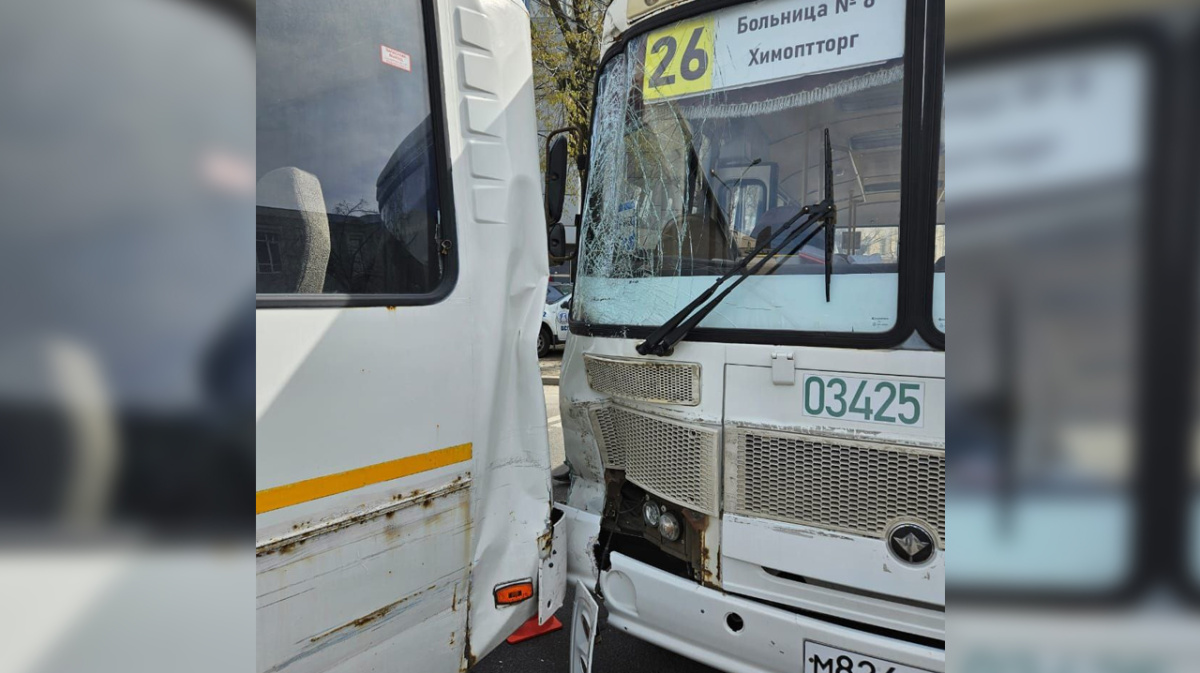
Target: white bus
(403, 492)
(753, 393)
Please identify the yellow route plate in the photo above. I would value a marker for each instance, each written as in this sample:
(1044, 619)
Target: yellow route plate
(679, 59)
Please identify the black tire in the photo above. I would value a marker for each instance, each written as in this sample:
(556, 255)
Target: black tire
(545, 342)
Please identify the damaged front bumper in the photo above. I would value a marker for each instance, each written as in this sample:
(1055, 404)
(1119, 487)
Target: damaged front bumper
(698, 622)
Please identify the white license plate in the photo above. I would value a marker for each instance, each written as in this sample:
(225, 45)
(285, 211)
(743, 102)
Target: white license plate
(820, 658)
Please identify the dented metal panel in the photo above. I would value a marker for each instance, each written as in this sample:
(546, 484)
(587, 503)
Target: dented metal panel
(395, 571)
(334, 591)
(752, 400)
(585, 622)
(582, 536)
(552, 571)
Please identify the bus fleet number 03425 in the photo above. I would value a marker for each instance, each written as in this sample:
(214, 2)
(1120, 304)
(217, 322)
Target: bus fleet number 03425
(865, 400)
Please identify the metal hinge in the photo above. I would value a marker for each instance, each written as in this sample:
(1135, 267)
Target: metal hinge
(783, 369)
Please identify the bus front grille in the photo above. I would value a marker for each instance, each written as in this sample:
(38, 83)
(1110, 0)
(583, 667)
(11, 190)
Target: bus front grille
(644, 380)
(674, 460)
(862, 488)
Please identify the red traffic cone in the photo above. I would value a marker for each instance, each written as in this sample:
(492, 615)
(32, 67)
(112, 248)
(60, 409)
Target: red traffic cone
(531, 629)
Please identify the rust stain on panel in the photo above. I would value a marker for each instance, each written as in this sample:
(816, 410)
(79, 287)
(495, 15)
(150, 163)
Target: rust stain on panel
(371, 617)
(701, 524)
(468, 658)
(388, 510)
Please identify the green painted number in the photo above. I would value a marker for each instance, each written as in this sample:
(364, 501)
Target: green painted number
(881, 415)
(809, 407)
(905, 398)
(839, 397)
(865, 409)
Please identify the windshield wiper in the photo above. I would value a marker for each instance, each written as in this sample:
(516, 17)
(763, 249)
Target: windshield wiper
(820, 216)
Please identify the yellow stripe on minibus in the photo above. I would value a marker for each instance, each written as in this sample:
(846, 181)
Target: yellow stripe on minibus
(332, 484)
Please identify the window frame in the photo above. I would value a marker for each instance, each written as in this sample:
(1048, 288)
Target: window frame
(738, 210)
(270, 239)
(923, 17)
(446, 212)
(933, 102)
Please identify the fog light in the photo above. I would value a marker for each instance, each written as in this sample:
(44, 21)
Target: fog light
(668, 526)
(651, 512)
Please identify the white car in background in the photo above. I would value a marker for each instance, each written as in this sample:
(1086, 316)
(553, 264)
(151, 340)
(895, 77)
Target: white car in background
(555, 316)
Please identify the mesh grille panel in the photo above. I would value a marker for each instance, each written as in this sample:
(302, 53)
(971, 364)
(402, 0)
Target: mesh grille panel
(666, 382)
(858, 489)
(677, 461)
(605, 429)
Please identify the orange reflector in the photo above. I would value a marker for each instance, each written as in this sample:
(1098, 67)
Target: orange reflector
(513, 592)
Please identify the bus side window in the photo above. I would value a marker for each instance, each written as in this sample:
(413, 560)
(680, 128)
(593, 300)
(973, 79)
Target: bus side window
(349, 198)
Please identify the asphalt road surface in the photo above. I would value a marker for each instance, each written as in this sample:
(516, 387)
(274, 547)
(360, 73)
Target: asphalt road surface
(552, 364)
(616, 651)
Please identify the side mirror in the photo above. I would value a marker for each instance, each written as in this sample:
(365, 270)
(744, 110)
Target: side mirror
(557, 239)
(556, 181)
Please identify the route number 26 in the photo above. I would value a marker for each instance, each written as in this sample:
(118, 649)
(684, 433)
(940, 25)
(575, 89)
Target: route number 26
(679, 59)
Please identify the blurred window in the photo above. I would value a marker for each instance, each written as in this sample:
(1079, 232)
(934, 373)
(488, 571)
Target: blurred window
(348, 190)
(1042, 410)
(553, 294)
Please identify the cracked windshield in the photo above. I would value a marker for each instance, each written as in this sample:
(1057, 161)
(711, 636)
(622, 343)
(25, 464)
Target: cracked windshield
(709, 131)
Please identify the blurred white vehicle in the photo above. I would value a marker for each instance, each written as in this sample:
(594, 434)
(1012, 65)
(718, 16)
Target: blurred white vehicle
(555, 317)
